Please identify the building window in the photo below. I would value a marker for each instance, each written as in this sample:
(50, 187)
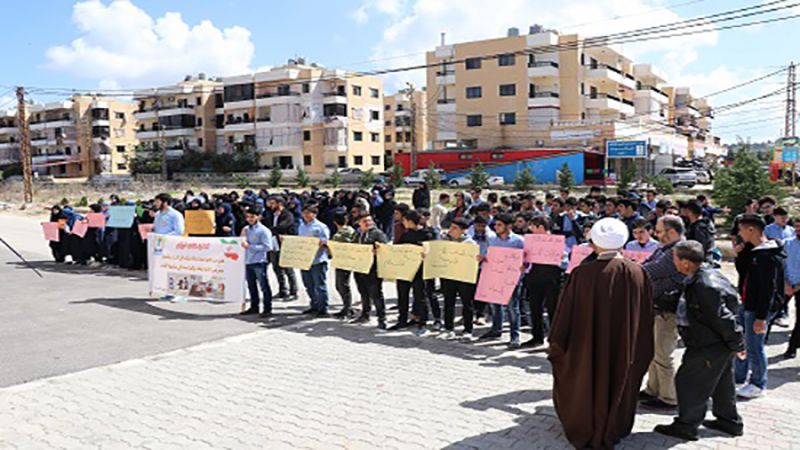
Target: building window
(356, 90)
(508, 118)
(506, 60)
(342, 161)
(387, 107)
(230, 139)
(119, 115)
(375, 137)
(474, 92)
(400, 107)
(199, 142)
(408, 136)
(306, 135)
(198, 101)
(387, 123)
(473, 63)
(199, 121)
(358, 160)
(474, 120)
(120, 149)
(122, 166)
(374, 93)
(399, 136)
(376, 160)
(358, 136)
(507, 90)
(306, 160)
(388, 138)
(374, 115)
(306, 88)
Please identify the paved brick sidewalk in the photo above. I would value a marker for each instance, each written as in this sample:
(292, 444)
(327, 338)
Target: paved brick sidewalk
(325, 385)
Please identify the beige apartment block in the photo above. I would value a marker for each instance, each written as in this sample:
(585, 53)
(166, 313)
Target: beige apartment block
(84, 136)
(9, 138)
(304, 115)
(181, 117)
(405, 121)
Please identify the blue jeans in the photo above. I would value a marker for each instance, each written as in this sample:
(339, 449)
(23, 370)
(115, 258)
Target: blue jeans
(513, 315)
(256, 274)
(316, 282)
(756, 361)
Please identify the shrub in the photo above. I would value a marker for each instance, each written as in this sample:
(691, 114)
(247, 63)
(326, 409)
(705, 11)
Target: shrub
(432, 177)
(335, 179)
(275, 175)
(626, 177)
(83, 201)
(302, 178)
(242, 182)
(478, 178)
(661, 184)
(524, 180)
(566, 179)
(367, 179)
(396, 176)
(746, 179)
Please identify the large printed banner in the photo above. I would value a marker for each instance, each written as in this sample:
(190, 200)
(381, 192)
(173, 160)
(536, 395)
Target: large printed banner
(196, 268)
(499, 275)
(451, 261)
(354, 257)
(199, 222)
(547, 249)
(298, 252)
(399, 262)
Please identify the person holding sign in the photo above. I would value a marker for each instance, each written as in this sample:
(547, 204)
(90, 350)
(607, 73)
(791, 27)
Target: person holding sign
(344, 233)
(369, 285)
(414, 234)
(315, 279)
(257, 243)
(544, 283)
(167, 220)
(642, 238)
(451, 288)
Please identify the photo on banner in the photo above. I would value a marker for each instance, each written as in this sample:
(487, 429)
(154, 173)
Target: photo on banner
(547, 249)
(399, 262)
(451, 261)
(199, 222)
(121, 216)
(500, 274)
(298, 252)
(353, 257)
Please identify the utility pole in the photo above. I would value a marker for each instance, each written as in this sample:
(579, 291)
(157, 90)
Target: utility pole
(24, 146)
(410, 90)
(161, 142)
(791, 112)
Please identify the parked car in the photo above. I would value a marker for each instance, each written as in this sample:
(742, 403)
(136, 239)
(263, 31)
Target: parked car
(703, 176)
(417, 177)
(463, 181)
(680, 176)
(350, 174)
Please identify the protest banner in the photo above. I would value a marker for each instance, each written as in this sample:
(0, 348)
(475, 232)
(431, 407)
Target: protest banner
(145, 229)
(79, 228)
(199, 222)
(96, 220)
(354, 257)
(298, 252)
(120, 216)
(579, 253)
(51, 231)
(399, 262)
(545, 249)
(500, 274)
(209, 269)
(638, 257)
(451, 261)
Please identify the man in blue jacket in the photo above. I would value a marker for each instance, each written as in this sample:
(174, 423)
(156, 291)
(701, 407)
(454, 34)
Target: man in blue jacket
(258, 242)
(792, 286)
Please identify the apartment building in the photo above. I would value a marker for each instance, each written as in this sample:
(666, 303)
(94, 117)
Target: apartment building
(84, 136)
(180, 117)
(9, 138)
(400, 111)
(304, 115)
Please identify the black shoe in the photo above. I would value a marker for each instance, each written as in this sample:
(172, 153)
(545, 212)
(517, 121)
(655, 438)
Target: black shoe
(790, 353)
(281, 295)
(533, 343)
(676, 432)
(490, 335)
(360, 319)
(644, 396)
(322, 314)
(310, 311)
(266, 315)
(724, 427)
(345, 313)
(381, 324)
(658, 404)
(291, 297)
(398, 326)
(248, 312)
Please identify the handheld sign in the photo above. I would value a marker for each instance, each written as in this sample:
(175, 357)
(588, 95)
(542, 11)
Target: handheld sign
(545, 249)
(96, 220)
(579, 253)
(80, 228)
(451, 261)
(499, 275)
(199, 222)
(145, 229)
(353, 257)
(298, 252)
(120, 216)
(51, 231)
(399, 262)
(638, 257)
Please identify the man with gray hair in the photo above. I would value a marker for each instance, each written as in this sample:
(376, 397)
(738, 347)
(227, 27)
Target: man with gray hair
(667, 284)
(707, 324)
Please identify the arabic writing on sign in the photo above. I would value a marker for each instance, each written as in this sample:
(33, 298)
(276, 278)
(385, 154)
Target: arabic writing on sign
(579, 253)
(499, 275)
(545, 249)
(354, 257)
(638, 257)
(399, 262)
(298, 252)
(451, 261)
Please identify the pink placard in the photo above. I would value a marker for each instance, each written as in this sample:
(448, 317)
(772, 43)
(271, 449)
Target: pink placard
(579, 253)
(639, 257)
(51, 231)
(545, 249)
(500, 274)
(145, 229)
(96, 220)
(79, 228)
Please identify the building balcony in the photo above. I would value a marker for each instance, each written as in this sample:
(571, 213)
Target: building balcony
(603, 73)
(8, 130)
(101, 123)
(272, 98)
(403, 113)
(8, 145)
(59, 123)
(277, 148)
(445, 51)
(240, 104)
(44, 159)
(335, 121)
(446, 105)
(446, 135)
(335, 147)
(160, 134)
(653, 93)
(608, 102)
(240, 126)
(544, 100)
(333, 97)
(170, 110)
(446, 77)
(543, 69)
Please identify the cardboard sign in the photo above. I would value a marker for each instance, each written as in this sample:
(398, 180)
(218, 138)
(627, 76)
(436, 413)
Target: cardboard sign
(638, 257)
(121, 216)
(579, 253)
(353, 257)
(451, 261)
(51, 231)
(80, 228)
(199, 222)
(298, 252)
(96, 220)
(545, 249)
(399, 262)
(500, 274)
(145, 229)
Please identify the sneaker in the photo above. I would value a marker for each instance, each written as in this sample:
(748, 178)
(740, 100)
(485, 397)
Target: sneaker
(291, 297)
(724, 427)
(467, 338)
(398, 326)
(420, 332)
(514, 344)
(782, 322)
(658, 404)
(266, 315)
(447, 336)
(676, 432)
(322, 314)
(310, 311)
(438, 325)
(381, 324)
(533, 343)
(248, 312)
(790, 353)
(360, 319)
(344, 314)
(750, 391)
(740, 385)
(479, 321)
(489, 336)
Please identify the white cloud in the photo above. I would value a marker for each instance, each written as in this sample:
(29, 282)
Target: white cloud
(8, 103)
(388, 7)
(122, 45)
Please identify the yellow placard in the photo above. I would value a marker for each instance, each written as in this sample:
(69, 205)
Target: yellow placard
(298, 252)
(353, 257)
(399, 262)
(451, 261)
(199, 222)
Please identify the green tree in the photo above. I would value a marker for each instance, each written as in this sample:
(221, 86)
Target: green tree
(524, 180)
(275, 175)
(367, 179)
(83, 201)
(302, 178)
(661, 184)
(432, 177)
(478, 178)
(396, 175)
(241, 181)
(335, 179)
(746, 179)
(626, 177)
(566, 179)
(146, 160)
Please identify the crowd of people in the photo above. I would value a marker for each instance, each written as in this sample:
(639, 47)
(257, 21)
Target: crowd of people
(628, 316)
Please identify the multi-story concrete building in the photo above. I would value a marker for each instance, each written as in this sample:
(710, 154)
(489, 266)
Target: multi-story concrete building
(304, 115)
(9, 138)
(405, 121)
(179, 117)
(84, 136)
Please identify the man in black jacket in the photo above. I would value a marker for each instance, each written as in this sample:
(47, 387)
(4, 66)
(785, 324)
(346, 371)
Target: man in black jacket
(707, 324)
(281, 222)
(700, 228)
(370, 287)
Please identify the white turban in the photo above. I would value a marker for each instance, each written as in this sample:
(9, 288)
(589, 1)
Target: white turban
(609, 234)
